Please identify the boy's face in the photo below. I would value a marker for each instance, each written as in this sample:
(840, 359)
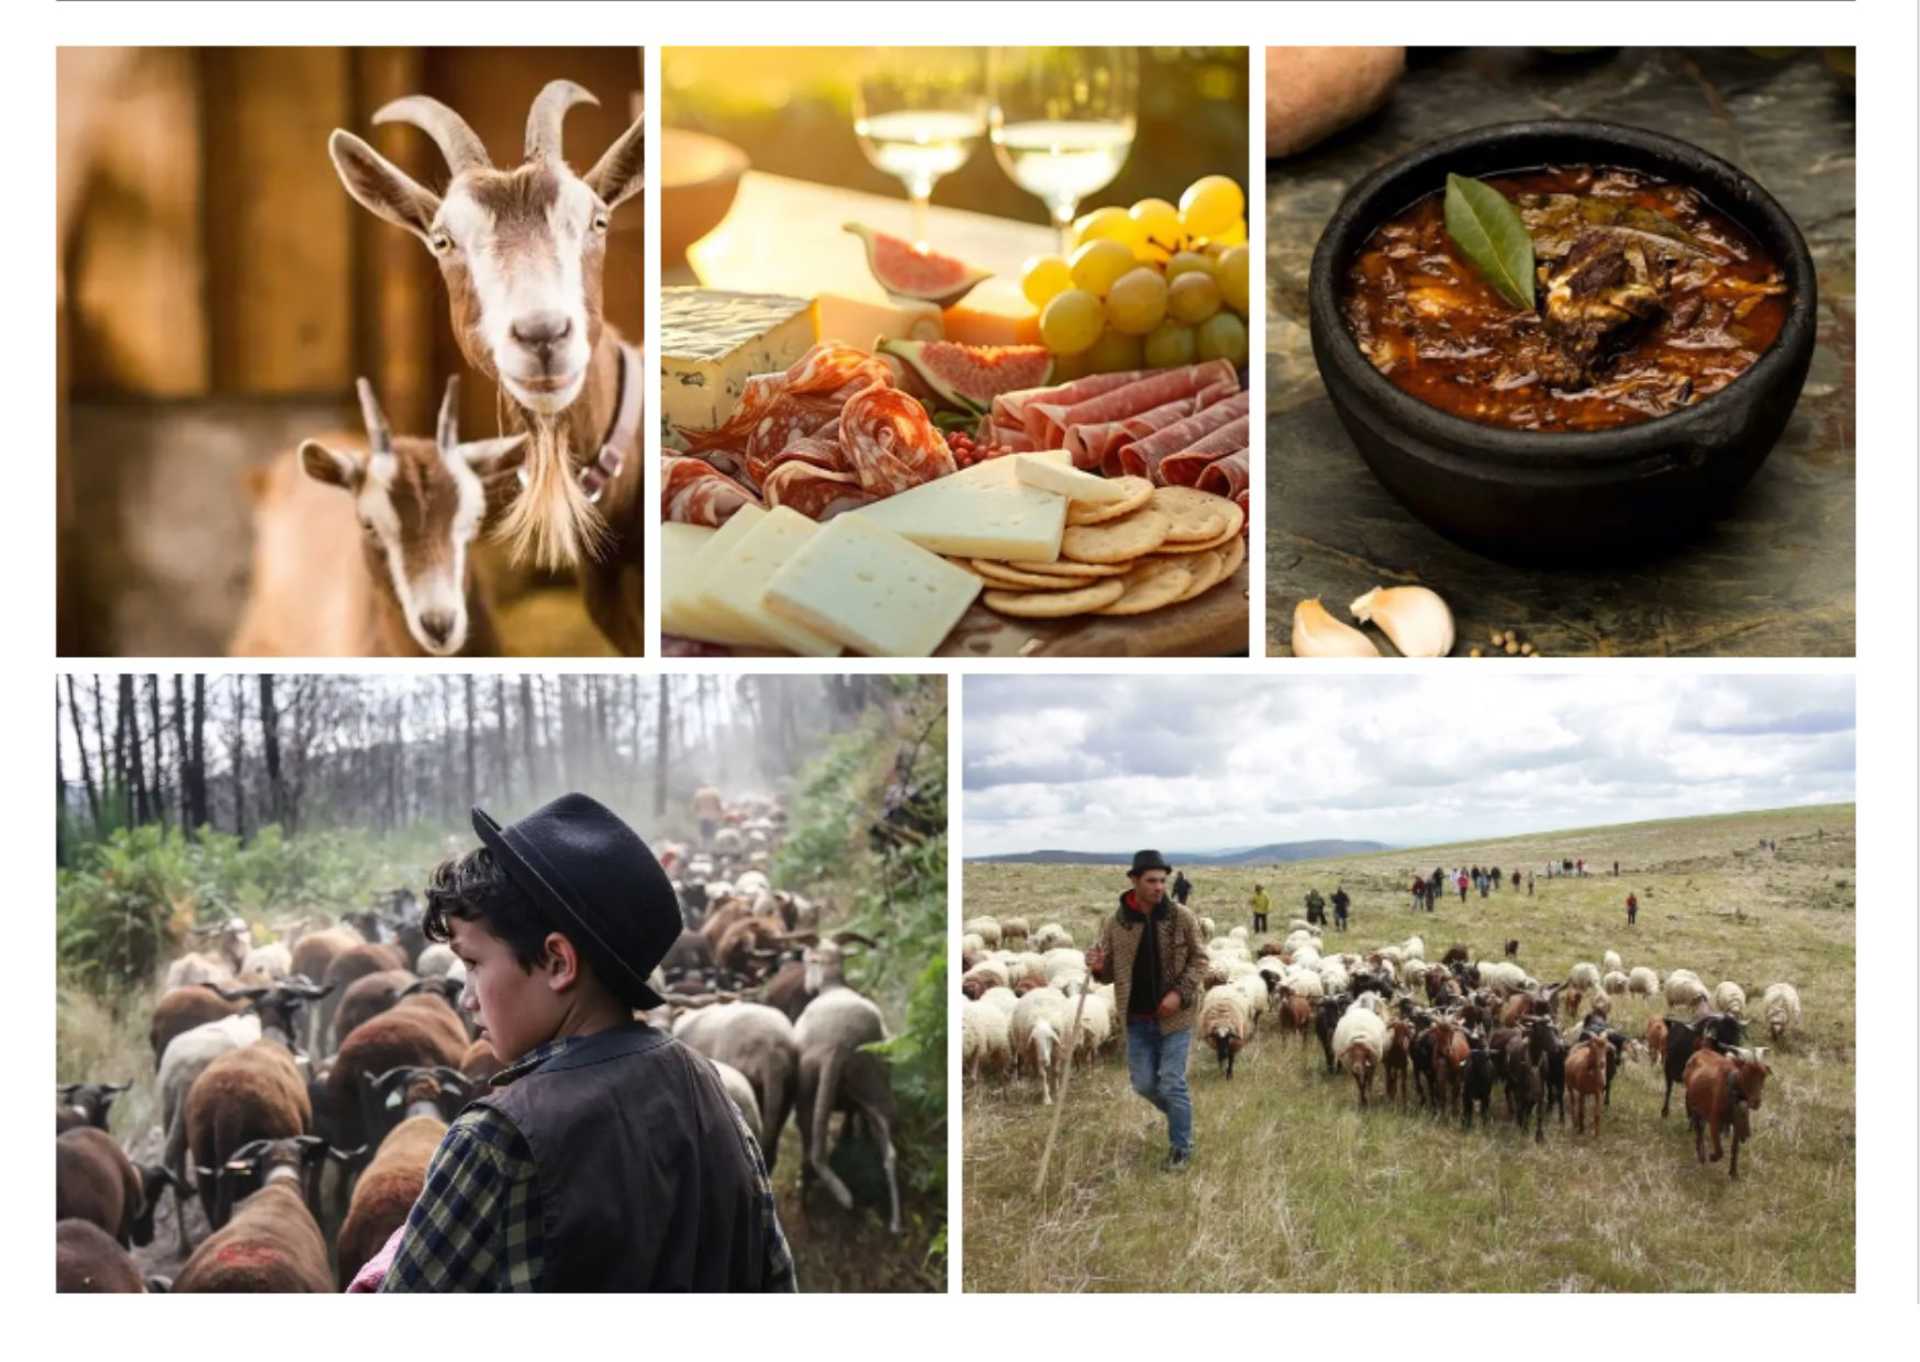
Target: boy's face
(519, 1008)
(1152, 888)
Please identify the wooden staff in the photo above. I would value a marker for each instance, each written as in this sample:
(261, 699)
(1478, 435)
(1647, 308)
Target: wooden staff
(1060, 1107)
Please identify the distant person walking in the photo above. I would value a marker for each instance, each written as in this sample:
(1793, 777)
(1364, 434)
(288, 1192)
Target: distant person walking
(1150, 951)
(1260, 905)
(1340, 904)
(1633, 909)
(1316, 908)
(1616, 870)
(1529, 882)
(708, 810)
(1420, 899)
(1516, 879)
(1462, 884)
(1182, 888)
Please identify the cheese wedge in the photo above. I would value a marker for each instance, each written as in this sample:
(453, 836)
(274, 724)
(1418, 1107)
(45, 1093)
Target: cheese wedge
(995, 313)
(872, 590)
(856, 322)
(1068, 481)
(695, 615)
(737, 583)
(712, 341)
(980, 512)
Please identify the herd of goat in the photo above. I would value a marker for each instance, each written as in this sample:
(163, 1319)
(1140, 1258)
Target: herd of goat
(304, 1084)
(1443, 1035)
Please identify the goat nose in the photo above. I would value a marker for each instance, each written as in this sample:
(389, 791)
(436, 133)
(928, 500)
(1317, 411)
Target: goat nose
(437, 625)
(538, 330)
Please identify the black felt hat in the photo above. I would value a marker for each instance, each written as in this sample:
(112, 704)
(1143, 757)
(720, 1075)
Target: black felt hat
(1143, 861)
(598, 881)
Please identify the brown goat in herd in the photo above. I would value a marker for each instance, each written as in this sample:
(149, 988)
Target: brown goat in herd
(1721, 1090)
(1587, 1078)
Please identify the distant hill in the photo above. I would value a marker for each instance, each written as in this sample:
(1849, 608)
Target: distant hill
(1272, 853)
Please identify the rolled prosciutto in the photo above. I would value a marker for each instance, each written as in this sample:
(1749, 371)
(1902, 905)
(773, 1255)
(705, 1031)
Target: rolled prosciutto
(1142, 458)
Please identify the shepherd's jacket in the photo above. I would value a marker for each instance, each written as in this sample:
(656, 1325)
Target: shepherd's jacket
(1183, 961)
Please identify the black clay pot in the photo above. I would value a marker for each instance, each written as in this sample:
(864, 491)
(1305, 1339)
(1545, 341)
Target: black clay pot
(1571, 496)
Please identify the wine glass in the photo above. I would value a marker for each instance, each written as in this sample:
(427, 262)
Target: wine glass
(919, 112)
(1062, 120)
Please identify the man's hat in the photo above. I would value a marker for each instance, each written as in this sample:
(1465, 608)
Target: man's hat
(597, 880)
(1143, 861)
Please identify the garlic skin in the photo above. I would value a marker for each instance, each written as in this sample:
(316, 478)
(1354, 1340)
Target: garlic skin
(1416, 619)
(1318, 634)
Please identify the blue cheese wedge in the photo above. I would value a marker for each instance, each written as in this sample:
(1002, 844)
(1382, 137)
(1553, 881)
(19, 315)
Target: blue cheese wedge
(712, 341)
(980, 512)
(872, 590)
(737, 582)
(1053, 469)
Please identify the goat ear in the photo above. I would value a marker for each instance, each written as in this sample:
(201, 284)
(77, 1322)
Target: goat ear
(495, 456)
(340, 468)
(620, 174)
(380, 186)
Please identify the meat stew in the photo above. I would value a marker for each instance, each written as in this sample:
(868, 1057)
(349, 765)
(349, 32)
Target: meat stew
(1647, 300)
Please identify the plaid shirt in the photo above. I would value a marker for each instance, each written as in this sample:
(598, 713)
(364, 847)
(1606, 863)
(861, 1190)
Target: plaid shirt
(477, 1226)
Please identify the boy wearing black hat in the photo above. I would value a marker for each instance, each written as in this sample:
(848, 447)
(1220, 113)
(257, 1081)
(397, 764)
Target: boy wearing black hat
(1152, 954)
(607, 1157)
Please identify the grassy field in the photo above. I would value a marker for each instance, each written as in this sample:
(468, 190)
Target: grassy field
(1295, 1189)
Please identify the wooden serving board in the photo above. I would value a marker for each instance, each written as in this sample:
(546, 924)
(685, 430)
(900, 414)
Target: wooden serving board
(1213, 624)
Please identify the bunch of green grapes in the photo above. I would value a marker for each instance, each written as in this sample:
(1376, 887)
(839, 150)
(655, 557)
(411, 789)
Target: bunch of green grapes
(1153, 286)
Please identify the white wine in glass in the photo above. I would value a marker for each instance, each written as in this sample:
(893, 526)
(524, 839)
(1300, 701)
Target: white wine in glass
(1062, 120)
(919, 112)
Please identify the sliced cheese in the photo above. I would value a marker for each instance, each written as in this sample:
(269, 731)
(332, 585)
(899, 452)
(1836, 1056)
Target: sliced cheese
(872, 590)
(737, 586)
(995, 313)
(680, 545)
(1068, 481)
(712, 341)
(695, 614)
(981, 512)
(856, 322)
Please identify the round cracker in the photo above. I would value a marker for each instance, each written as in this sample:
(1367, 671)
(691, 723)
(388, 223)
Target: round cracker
(1154, 583)
(1047, 605)
(1139, 493)
(1232, 532)
(1196, 516)
(1115, 541)
(1066, 567)
(1001, 575)
(1235, 552)
(1207, 569)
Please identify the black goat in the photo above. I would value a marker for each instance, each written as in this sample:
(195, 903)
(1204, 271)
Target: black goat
(1478, 1083)
(1719, 1030)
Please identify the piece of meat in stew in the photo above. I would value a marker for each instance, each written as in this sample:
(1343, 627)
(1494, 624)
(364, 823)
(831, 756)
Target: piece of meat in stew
(1646, 299)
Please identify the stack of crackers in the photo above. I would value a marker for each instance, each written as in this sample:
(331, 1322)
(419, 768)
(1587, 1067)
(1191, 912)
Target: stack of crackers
(1156, 547)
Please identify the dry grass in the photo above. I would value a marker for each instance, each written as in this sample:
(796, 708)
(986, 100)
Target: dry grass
(1295, 1189)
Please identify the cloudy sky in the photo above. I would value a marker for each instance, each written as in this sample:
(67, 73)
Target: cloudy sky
(1104, 763)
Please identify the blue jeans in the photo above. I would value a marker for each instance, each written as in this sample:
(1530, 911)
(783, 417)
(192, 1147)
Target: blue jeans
(1157, 1065)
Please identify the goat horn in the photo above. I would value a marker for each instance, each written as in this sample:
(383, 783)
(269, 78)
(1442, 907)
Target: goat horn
(546, 115)
(457, 141)
(448, 432)
(378, 433)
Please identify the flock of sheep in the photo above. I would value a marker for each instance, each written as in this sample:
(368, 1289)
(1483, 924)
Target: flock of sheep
(1445, 1034)
(305, 1084)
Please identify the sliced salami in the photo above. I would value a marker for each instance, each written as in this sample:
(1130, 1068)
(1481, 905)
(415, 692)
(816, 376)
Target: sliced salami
(815, 492)
(1141, 459)
(834, 369)
(1049, 421)
(794, 417)
(694, 492)
(1183, 467)
(1226, 476)
(889, 442)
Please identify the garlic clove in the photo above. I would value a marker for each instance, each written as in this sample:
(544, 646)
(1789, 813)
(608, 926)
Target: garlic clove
(1318, 634)
(1416, 619)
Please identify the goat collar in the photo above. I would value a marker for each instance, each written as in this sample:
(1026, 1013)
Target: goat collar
(623, 434)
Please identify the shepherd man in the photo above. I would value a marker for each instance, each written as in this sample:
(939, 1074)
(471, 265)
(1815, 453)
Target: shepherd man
(1151, 951)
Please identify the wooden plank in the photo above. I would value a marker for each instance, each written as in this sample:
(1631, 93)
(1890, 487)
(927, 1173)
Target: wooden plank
(401, 308)
(135, 265)
(1214, 624)
(279, 236)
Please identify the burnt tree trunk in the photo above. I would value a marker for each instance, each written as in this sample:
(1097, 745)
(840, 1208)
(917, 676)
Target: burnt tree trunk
(202, 814)
(159, 751)
(527, 735)
(86, 767)
(270, 748)
(660, 749)
(59, 786)
(182, 758)
(136, 759)
(237, 755)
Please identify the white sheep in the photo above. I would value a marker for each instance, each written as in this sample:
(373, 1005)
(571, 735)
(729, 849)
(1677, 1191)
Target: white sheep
(985, 1043)
(986, 928)
(1684, 989)
(1001, 998)
(1096, 1025)
(1374, 1003)
(1226, 1023)
(1332, 975)
(1254, 985)
(1585, 977)
(1614, 982)
(1358, 1043)
(1206, 926)
(983, 976)
(1610, 962)
(972, 943)
(1051, 936)
(1413, 945)
(1015, 929)
(1037, 1036)
(272, 961)
(1300, 926)
(1304, 982)
(1730, 997)
(1394, 953)
(436, 960)
(1502, 976)
(1643, 982)
(1780, 1005)
(1414, 970)
(1239, 934)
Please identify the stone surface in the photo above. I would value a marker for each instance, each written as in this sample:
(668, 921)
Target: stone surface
(1776, 576)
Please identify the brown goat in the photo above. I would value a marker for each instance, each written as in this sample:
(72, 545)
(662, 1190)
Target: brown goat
(270, 1243)
(1587, 1077)
(95, 1181)
(1398, 1059)
(368, 996)
(253, 1093)
(316, 951)
(1450, 1051)
(1721, 1090)
(182, 1009)
(389, 1186)
(86, 1259)
(1656, 1039)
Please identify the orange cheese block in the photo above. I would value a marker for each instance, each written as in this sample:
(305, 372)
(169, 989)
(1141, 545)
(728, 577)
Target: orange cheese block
(995, 313)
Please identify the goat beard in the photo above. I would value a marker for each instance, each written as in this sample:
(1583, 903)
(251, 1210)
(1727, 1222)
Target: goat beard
(551, 521)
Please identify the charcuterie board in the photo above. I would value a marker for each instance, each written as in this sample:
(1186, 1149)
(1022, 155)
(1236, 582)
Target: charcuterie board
(1212, 625)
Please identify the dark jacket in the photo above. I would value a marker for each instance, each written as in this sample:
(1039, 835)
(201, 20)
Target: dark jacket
(1183, 960)
(646, 1179)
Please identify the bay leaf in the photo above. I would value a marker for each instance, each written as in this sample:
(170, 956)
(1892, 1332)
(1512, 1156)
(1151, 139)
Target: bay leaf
(1489, 233)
